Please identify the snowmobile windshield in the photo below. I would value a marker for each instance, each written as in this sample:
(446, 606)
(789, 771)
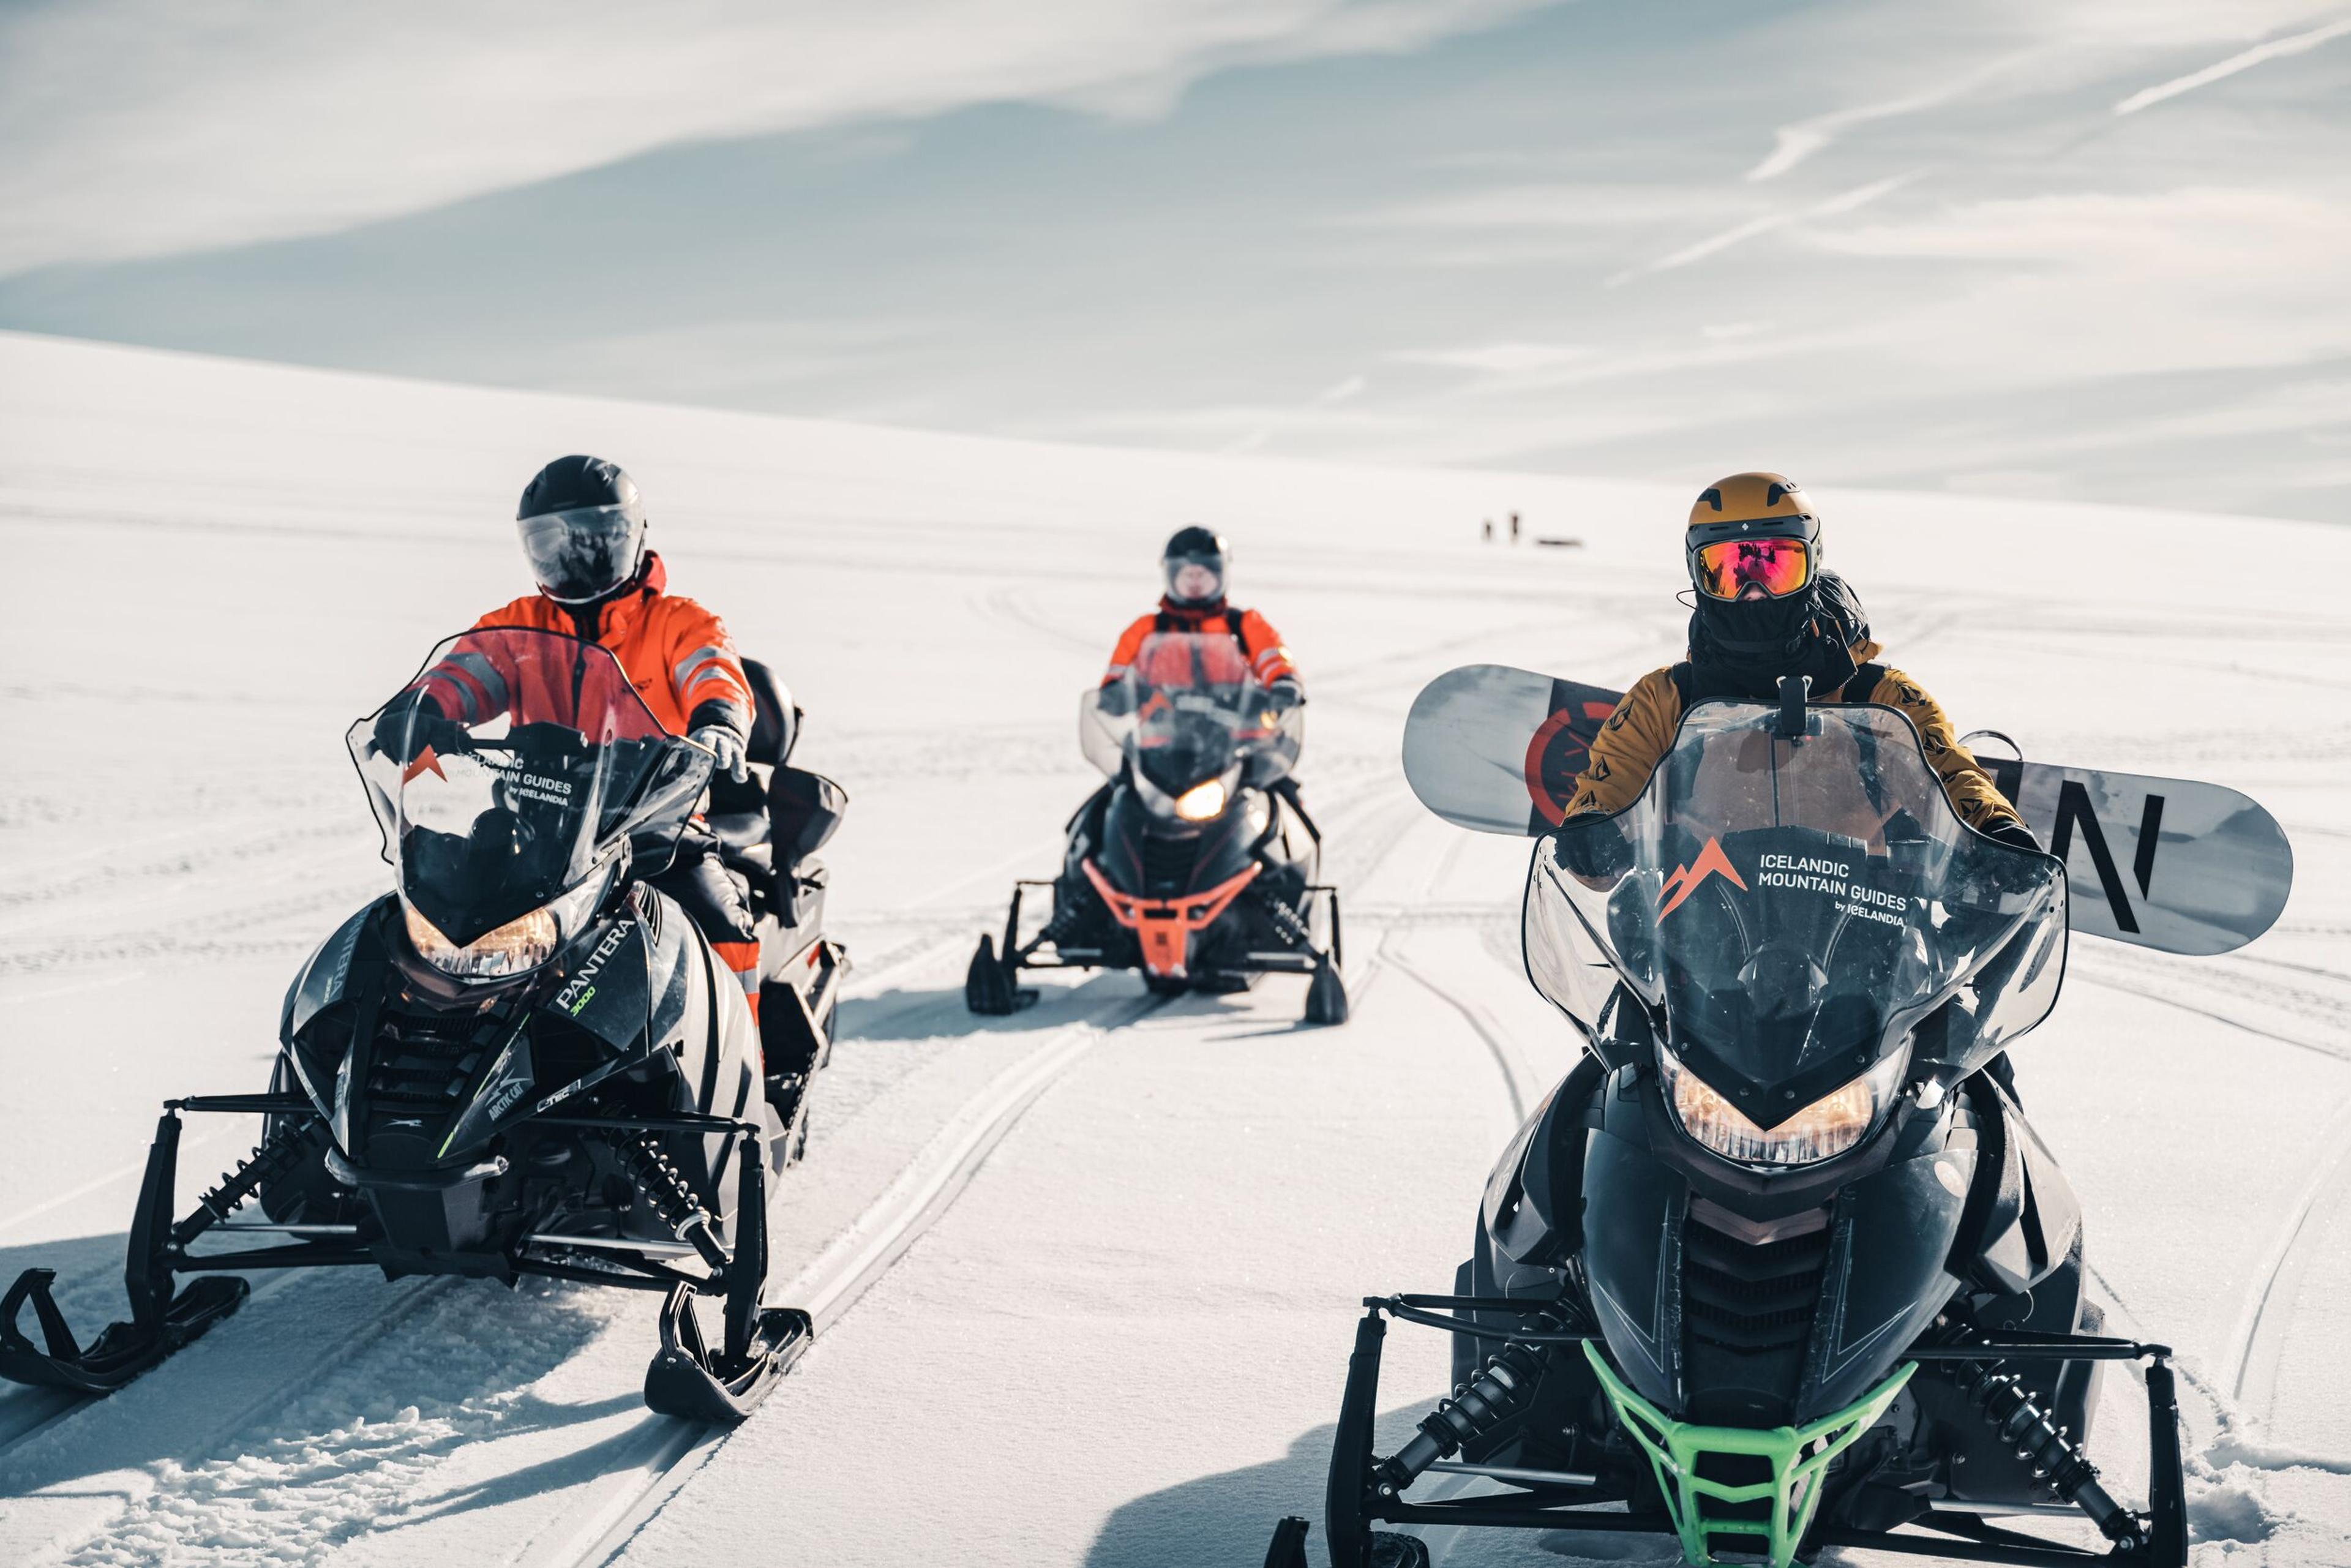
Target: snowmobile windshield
(511, 771)
(1187, 712)
(1794, 910)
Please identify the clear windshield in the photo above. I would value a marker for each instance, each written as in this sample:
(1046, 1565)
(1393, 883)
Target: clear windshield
(1795, 909)
(511, 769)
(1188, 711)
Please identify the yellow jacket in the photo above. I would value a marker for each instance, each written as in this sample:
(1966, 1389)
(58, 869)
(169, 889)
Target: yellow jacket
(1641, 730)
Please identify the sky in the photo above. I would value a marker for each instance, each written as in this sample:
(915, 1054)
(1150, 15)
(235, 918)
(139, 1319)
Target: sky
(2086, 249)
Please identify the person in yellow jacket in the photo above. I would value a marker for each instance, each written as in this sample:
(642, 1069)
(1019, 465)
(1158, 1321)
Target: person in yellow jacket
(1765, 609)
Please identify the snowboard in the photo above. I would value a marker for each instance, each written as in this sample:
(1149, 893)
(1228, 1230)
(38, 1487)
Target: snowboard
(2168, 863)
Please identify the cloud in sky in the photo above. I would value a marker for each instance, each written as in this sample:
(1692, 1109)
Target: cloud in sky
(1498, 357)
(2276, 49)
(143, 126)
(1794, 143)
(1377, 231)
(1844, 201)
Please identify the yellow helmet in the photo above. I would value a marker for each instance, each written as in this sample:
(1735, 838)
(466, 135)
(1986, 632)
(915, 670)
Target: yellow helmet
(1751, 506)
(1749, 497)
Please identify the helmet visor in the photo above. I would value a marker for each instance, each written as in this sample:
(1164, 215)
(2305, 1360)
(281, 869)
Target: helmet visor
(1195, 579)
(1728, 569)
(583, 553)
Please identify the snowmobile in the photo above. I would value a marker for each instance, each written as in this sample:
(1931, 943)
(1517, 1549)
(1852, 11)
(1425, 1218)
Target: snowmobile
(524, 1060)
(1779, 1265)
(1197, 863)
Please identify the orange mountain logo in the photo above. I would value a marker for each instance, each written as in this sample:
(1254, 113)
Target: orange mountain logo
(1710, 861)
(426, 763)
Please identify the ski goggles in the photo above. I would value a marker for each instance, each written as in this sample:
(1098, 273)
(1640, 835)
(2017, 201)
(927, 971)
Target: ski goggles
(1725, 569)
(1195, 578)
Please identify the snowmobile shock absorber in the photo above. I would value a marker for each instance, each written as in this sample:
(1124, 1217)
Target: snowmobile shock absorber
(663, 1187)
(274, 1157)
(1499, 1390)
(2012, 1412)
(1286, 921)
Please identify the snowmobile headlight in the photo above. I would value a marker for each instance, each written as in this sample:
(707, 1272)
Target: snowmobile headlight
(1821, 1130)
(1202, 802)
(515, 949)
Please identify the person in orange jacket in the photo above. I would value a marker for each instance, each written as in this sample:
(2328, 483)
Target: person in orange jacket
(583, 532)
(1764, 609)
(1193, 565)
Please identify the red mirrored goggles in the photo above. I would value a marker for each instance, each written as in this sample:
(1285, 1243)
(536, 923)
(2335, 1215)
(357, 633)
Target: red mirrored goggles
(1727, 569)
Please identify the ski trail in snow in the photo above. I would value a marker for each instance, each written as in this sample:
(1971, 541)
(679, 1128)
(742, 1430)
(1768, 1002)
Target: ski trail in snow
(831, 1285)
(1520, 1079)
(922, 1193)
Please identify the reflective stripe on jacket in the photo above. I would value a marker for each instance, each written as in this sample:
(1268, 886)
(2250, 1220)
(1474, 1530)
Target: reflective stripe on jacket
(1269, 658)
(678, 655)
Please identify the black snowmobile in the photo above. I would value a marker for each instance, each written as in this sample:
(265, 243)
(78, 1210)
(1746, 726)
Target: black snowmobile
(1197, 863)
(1779, 1265)
(524, 1060)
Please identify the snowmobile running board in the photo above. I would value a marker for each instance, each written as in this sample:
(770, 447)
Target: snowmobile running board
(1357, 1498)
(685, 1377)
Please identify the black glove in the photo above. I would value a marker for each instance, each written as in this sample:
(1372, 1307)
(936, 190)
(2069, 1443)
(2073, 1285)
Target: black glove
(1115, 700)
(2015, 835)
(1592, 847)
(412, 722)
(1285, 693)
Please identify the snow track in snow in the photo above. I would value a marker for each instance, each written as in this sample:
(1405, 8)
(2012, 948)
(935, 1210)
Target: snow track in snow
(831, 1286)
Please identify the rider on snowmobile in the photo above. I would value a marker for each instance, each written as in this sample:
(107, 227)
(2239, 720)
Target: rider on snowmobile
(583, 531)
(1765, 610)
(1193, 565)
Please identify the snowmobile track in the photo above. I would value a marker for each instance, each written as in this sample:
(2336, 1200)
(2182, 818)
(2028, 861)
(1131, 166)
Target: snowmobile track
(674, 1450)
(2258, 1344)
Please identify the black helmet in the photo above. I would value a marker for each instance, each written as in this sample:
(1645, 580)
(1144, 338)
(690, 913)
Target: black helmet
(1195, 547)
(583, 528)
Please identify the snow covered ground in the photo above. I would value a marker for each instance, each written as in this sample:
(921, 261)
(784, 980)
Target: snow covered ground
(1121, 1342)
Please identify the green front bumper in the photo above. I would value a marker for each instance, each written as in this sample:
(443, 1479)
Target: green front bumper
(1798, 1456)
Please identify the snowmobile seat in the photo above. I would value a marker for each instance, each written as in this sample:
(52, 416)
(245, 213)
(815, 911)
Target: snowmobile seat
(743, 839)
(775, 728)
(769, 824)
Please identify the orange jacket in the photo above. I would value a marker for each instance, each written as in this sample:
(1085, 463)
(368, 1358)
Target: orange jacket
(1269, 659)
(1639, 733)
(677, 655)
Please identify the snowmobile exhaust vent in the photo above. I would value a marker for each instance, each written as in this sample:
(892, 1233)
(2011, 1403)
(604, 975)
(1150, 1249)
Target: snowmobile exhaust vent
(1750, 1298)
(1169, 865)
(425, 1064)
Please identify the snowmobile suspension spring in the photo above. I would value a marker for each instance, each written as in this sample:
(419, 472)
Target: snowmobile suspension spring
(1286, 921)
(1499, 1390)
(2012, 1412)
(271, 1158)
(663, 1186)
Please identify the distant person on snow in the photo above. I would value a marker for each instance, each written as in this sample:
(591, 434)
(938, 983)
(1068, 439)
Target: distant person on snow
(1764, 609)
(583, 532)
(1194, 568)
